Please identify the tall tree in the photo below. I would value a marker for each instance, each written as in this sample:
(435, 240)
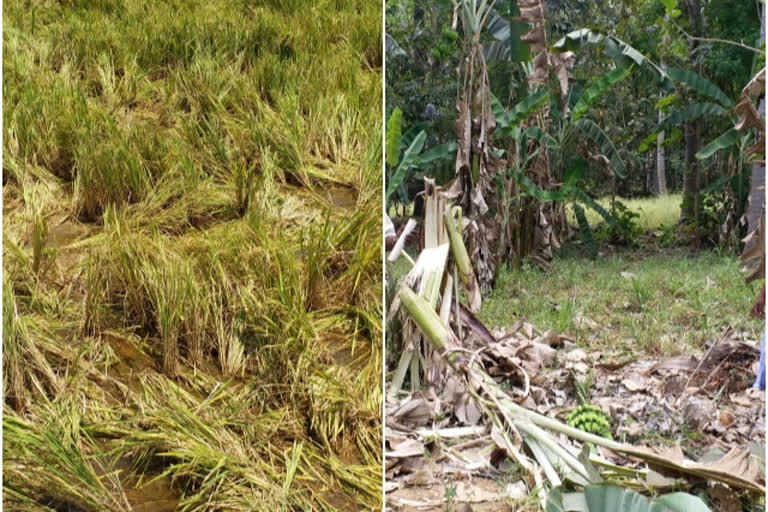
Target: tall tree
(689, 208)
(659, 187)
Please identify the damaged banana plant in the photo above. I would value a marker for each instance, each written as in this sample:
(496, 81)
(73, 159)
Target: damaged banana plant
(429, 275)
(754, 247)
(476, 166)
(557, 470)
(498, 229)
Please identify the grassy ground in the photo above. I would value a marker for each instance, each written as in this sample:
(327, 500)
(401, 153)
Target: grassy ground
(647, 300)
(191, 255)
(659, 304)
(656, 301)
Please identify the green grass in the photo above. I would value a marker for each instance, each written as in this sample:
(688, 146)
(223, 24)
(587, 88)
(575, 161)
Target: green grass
(667, 303)
(655, 212)
(186, 295)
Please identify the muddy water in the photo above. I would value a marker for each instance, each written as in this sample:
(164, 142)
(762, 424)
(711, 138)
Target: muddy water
(132, 362)
(155, 496)
(146, 492)
(339, 346)
(342, 197)
(65, 232)
(149, 493)
(128, 351)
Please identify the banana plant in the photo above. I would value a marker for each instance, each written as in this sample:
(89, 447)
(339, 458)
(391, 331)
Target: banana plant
(574, 124)
(575, 127)
(745, 140)
(716, 104)
(473, 12)
(413, 163)
(611, 498)
(509, 126)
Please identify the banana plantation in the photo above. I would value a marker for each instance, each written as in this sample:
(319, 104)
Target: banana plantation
(574, 285)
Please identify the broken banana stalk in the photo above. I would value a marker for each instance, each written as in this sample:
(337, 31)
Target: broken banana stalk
(461, 257)
(735, 469)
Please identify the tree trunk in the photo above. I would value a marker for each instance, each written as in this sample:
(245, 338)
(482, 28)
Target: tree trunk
(690, 175)
(689, 208)
(660, 176)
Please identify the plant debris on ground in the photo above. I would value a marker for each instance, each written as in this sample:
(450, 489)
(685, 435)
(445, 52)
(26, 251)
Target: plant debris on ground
(693, 406)
(191, 256)
(440, 438)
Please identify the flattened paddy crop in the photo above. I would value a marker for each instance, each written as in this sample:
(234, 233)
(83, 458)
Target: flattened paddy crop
(191, 255)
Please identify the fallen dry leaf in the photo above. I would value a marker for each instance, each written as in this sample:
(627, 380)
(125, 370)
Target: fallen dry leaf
(634, 382)
(405, 448)
(676, 363)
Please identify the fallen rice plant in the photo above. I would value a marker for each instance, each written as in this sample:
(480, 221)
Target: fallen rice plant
(191, 257)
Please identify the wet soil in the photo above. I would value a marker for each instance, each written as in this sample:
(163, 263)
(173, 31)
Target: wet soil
(342, 197)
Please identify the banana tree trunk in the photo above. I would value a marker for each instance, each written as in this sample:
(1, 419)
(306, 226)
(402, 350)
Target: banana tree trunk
(545, 226)
(660, 174)
(691, 174)
(757, 183)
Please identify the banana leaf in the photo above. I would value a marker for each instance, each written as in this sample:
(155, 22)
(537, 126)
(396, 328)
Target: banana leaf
(594, 91)
(726, 140)
(505, 122)
(700, 84)
(410, 158)
(610, 498)
(393, 137)
(439, 152)
(622, 53)
(586, 231)
(393, 48)
(598, 136)
(507, 34)
(690, 113)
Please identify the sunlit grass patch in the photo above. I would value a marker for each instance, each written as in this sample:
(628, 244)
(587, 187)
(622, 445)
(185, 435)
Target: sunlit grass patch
(654, 212)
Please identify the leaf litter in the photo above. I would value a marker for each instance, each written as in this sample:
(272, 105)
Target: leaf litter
(433, 439)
